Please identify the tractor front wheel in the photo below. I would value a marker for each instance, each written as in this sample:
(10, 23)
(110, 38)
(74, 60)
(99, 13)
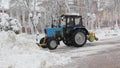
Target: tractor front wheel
(79, 38)
(52, 44)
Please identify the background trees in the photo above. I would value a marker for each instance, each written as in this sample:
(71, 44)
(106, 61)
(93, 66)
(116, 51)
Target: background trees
(35, 15)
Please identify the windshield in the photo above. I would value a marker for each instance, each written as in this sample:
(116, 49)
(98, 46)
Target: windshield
(62, 21)
(71, 21)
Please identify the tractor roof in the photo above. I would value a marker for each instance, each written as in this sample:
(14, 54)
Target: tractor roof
(75, 15)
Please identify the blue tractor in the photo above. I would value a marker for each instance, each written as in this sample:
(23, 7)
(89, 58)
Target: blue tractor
(70, 30)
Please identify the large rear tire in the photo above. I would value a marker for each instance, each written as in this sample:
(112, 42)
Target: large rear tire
(52, 44)
(79, 38)
(42, 42)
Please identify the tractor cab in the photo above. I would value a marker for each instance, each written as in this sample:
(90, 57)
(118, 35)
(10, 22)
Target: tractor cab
(72, 20)
(71, 23)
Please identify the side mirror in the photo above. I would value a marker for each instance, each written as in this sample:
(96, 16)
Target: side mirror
(61, 19)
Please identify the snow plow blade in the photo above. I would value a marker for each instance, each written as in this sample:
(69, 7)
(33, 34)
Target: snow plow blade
(43, 43)
(92, 37)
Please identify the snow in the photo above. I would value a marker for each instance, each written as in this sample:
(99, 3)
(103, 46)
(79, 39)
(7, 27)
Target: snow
(5, 4)
(107, 33)
(4, 15)
(72, 14)
(7, 23)
(15, 25)
(84, 52)
(20, 51)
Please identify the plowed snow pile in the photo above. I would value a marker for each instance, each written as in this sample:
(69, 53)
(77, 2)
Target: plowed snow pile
(20, 51)
(107, 33)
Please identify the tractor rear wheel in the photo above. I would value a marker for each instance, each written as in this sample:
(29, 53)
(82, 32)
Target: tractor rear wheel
(79, 38)
(52, 44)
(43, 41)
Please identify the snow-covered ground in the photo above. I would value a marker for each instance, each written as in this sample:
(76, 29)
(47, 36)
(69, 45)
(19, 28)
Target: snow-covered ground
(107, 33)
(20, 51)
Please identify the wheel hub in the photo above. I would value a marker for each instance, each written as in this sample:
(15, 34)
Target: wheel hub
(53, 44)
(79, 38)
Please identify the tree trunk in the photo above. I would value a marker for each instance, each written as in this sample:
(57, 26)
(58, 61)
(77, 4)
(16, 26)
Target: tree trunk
(23, 20)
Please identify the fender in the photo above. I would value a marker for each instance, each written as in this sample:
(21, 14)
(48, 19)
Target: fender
(82, 28)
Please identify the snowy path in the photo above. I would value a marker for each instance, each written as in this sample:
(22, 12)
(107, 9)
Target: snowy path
(102, 44)
(95, 54)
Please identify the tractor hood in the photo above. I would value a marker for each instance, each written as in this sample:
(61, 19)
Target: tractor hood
(50, 32)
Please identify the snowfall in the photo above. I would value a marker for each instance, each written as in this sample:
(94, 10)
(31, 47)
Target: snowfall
(21, 51)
